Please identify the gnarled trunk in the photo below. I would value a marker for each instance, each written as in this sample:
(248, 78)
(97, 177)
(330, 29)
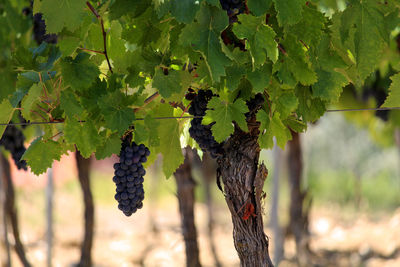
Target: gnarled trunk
(298, 213)
(243, 180)
(186, 184)
(11, 212)
(84, 175)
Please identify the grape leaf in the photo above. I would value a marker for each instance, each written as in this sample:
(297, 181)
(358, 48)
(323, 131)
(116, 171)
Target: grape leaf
(260, 37)
(223, 114)
(330, 82)
(111, 145)
(259, 7)
(260, 78)
(167, 85)
(271, 127)
(235, 74)
(71, 16)
(170, 146)
(116, 111)
(83, 134)
(184, 10)
(30, 99)
(393, 99)
(297, 61)
(70, 104)
(369, 38)
(310, 28)
(310, 108)
(41, 154)
(6, 114)
(80, 72)
(289, 11)
(210, 22)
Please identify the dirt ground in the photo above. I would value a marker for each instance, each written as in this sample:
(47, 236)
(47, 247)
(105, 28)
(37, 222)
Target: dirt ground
(152, 237)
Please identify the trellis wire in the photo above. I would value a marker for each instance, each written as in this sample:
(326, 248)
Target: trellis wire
(191, 117)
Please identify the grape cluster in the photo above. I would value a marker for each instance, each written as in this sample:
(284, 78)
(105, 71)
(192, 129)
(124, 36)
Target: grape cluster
(233, 8)
(39, 26)
(39, 31)
(199, 132)
(254, 104)
(13, 140)
(128, 176)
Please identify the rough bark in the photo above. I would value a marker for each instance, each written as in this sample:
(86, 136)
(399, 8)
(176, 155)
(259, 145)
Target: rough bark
(185, 186)
(298, 214)
(208, 170)
(11, 211)
(243, 181)
(83, 166)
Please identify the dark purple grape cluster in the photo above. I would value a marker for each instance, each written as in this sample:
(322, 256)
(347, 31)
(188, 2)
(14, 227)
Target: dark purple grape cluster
(233, 8)
(202, 133)
(39, 26)
(39, 31)
(254, 104)
(13, 140)
(128, 176)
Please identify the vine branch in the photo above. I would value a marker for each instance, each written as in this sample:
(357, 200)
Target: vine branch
(103, 33)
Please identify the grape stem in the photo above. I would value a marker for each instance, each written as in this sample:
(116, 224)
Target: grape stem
(100, 19)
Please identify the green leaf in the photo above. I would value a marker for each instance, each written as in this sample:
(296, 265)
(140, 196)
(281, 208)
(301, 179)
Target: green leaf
(260, 37)
(170, 146)
(286, 103)
(116, 111)
(310, 28)
(204, 36)
(224, 113)
(260, 78)
(111, 145)
(280, 131)
(79, 73)
(265, 139)
(30, 99)
(41, 154)
(330, 82)
(393, 99)
(297, 61)
(71, 15)
(310, 108)
(364, 23)
(259, 7)
(271, 127)
(83, 134)
(233, 76)
(184, 10)
(70, 104)
(167, 85)
(289, 11)
(6, 114)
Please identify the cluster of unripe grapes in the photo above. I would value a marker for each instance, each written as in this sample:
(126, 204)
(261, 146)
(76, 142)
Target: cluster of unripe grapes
(128, 177)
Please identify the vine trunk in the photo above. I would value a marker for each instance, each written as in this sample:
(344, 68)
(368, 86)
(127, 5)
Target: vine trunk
(243, 180)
